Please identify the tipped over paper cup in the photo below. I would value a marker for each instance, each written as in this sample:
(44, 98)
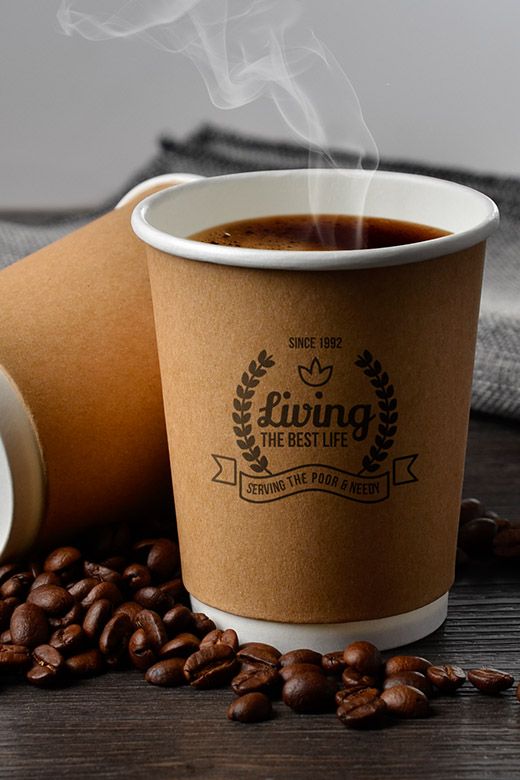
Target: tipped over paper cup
(82, 435)
(317, 404)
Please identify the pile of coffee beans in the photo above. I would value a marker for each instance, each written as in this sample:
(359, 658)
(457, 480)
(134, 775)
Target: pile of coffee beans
(483, 534)
(116, 600)
(364, 690)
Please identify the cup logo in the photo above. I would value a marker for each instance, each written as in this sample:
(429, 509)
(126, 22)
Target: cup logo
(268, 419)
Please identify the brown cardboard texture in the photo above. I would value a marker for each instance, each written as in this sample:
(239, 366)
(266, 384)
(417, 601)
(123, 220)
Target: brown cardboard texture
(317, 426)
(78, 339)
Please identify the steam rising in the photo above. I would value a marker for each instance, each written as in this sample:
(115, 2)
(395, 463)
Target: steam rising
(244, 51)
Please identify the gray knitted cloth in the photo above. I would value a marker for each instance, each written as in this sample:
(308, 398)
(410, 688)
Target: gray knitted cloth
(211, 151)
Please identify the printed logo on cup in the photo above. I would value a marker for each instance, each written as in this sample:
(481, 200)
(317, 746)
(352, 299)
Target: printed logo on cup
(274, 423)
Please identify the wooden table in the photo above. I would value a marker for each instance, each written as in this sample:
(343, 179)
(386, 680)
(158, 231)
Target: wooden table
(118, 726)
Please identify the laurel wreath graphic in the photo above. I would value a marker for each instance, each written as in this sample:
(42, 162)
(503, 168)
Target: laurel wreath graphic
(242, 414)
(387, 416)
(387, 412)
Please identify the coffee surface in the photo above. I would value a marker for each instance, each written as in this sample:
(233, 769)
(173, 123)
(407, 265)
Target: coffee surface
(321, 232)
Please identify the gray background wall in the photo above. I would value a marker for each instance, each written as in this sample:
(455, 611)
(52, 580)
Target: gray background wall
(438, 81)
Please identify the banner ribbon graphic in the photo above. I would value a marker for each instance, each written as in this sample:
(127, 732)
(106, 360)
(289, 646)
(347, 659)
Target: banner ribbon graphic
(264, 488)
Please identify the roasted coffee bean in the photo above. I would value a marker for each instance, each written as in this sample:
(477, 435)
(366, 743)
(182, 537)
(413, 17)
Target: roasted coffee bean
(245, 667)
(115, 636)
(46, 655)
(169, 672)
(163, 559)
(103, 590)
(64, 561)
(210, 667)
(260, 679)
(371, 715)
(259, 653)
(17, 585)
(74, 615)
(6, 638)
(518, 692)
(447, 678)
(227, 637)
(7, 570)
(96, 618)
(29, 625)
(153, 598)
(130, 608)
(53, 599)
(506, 543)
(333, 663)
(35, 567)
(61, 558)
(364, 657)
(202, 624)
(406, 663)
(101, 573)
(309, 692)
(250, 708)
(116, 563)
(6, 610)
(42, 676)
(178, 619)
(355, 688)
(153, 627)
(141, 654)
(137, 576)
(45, 578)
(181, 646)
(415, 679)
(356, 681)
(470, 508)
(489, 680)
(13, 657)
(300, 657)
(173, 588)
(296, 670)
(350, 700)
(404, 701)
(85, 664)
(11, 602)
(80, 590)
(476, 536)
(68, 640)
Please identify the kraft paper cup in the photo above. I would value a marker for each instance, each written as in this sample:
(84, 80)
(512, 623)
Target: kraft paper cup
(317, 404)
(82, 436)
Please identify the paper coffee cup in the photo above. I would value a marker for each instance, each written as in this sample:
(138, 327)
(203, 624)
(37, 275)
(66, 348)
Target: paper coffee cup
(82, 436)
(342, 525)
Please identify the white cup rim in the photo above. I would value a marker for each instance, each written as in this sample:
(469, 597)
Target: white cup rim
(485, 221)
(22, 472)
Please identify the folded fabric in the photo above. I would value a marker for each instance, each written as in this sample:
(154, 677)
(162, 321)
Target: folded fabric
(211, 151)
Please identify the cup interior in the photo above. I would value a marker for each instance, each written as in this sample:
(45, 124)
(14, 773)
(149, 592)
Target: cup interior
(166, 220)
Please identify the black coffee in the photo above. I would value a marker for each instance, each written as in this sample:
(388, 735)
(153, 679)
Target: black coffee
(321, 232)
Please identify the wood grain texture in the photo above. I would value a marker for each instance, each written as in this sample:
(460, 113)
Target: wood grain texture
(117, 726)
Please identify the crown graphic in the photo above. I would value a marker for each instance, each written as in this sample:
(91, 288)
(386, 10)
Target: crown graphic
(315, 375)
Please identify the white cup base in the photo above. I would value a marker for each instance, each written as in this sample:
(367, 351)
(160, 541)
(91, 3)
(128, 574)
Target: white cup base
(385, 633)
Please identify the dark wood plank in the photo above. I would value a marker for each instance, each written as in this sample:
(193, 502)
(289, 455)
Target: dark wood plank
(118, 726)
